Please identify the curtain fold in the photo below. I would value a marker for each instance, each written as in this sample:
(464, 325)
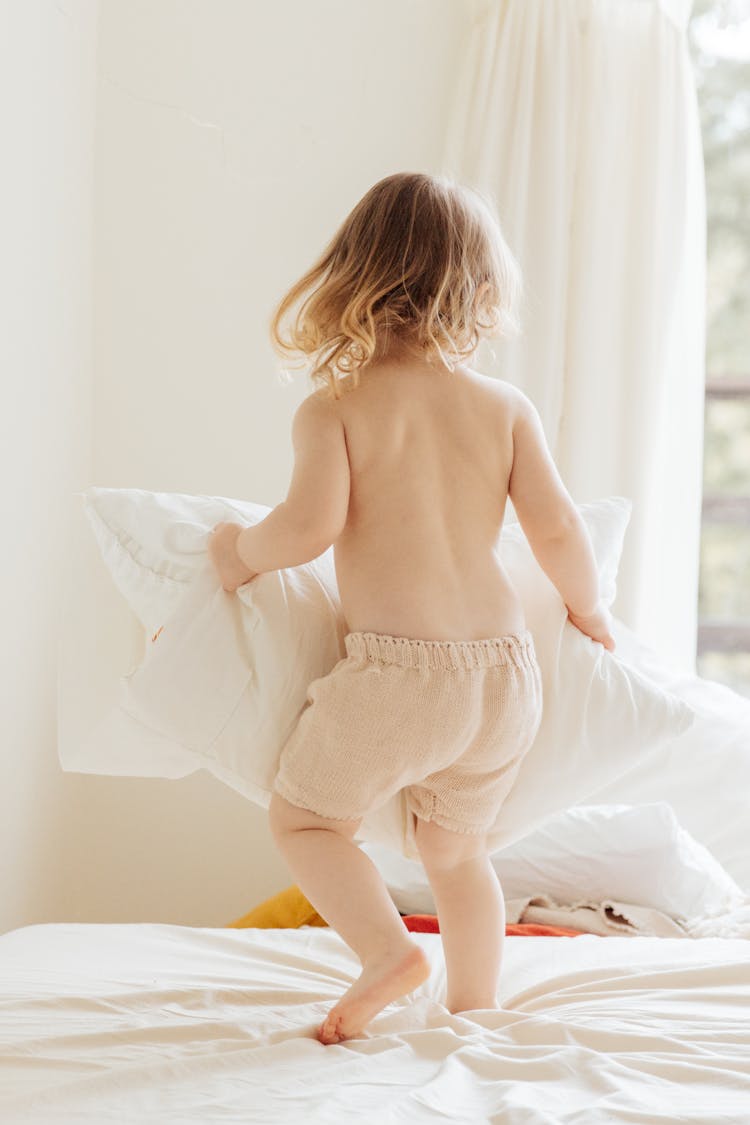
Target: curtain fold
(580, 118)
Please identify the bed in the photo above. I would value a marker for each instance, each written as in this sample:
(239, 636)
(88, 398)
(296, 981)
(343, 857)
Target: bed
(155, 1023)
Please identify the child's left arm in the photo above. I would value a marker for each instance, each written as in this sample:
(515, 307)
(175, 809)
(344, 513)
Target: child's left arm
(312, 516)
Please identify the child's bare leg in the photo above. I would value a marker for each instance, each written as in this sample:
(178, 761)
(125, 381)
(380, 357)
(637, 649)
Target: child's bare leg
(471, 912)
(345, 887)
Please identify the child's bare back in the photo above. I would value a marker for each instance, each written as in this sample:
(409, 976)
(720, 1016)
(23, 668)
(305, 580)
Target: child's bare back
(433, 456)
(430, 454)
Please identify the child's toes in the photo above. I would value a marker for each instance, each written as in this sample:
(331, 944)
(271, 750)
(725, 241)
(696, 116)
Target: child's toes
(328, 1032)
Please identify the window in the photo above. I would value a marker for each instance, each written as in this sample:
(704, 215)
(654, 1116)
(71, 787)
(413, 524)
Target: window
(719, 38)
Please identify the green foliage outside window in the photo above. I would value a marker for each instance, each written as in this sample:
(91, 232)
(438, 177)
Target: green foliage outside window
(719, 39)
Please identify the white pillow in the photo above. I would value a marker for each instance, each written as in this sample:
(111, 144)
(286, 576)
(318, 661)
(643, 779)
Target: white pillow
(221, 686)
(638, 854)
(714, 752)
(224, 682)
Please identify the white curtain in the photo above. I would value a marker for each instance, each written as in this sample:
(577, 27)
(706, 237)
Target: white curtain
(580, 118)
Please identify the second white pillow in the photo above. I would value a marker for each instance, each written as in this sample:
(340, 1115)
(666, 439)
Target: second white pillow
(638, 854)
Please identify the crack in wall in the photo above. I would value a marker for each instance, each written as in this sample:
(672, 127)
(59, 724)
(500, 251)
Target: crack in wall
(273, 176)
(176, 108)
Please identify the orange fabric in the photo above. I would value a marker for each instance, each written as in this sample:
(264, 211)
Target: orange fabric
(537, 929)
(428, 924)
(289, 909)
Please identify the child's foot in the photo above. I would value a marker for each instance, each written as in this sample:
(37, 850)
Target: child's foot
(379, 983)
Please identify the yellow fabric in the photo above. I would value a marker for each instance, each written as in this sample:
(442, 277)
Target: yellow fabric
(288, 910)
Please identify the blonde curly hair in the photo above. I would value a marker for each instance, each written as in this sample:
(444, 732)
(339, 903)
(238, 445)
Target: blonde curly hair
(420, 261)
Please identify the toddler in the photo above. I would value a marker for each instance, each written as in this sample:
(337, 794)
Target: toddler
(404, 458)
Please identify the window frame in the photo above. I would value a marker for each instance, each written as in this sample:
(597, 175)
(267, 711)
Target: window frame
(720, 635)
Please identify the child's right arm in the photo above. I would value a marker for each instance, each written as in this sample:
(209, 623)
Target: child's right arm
(553, 525)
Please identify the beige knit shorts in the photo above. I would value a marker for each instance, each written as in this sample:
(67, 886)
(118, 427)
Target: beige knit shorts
(447, 721)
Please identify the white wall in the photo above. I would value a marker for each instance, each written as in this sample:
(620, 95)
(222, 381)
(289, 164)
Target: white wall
(47, 87)
(232, 138)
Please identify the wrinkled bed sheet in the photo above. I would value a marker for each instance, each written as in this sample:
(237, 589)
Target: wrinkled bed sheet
(146, 1022)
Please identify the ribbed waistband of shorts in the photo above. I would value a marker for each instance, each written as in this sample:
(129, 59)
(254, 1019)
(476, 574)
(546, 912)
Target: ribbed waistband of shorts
(408, 652)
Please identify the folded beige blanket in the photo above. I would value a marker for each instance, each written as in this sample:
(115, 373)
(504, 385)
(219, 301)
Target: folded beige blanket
(611, 917)
(606, 918)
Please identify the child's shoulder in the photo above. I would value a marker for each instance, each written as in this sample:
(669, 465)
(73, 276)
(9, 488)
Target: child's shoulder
(320, 397)
(501, 387)
(325, 393)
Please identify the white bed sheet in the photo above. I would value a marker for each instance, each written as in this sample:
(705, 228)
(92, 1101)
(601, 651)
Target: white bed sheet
(145, 1022)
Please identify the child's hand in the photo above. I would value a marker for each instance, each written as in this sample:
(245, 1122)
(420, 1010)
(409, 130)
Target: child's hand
(597, 625)
(222, 551)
